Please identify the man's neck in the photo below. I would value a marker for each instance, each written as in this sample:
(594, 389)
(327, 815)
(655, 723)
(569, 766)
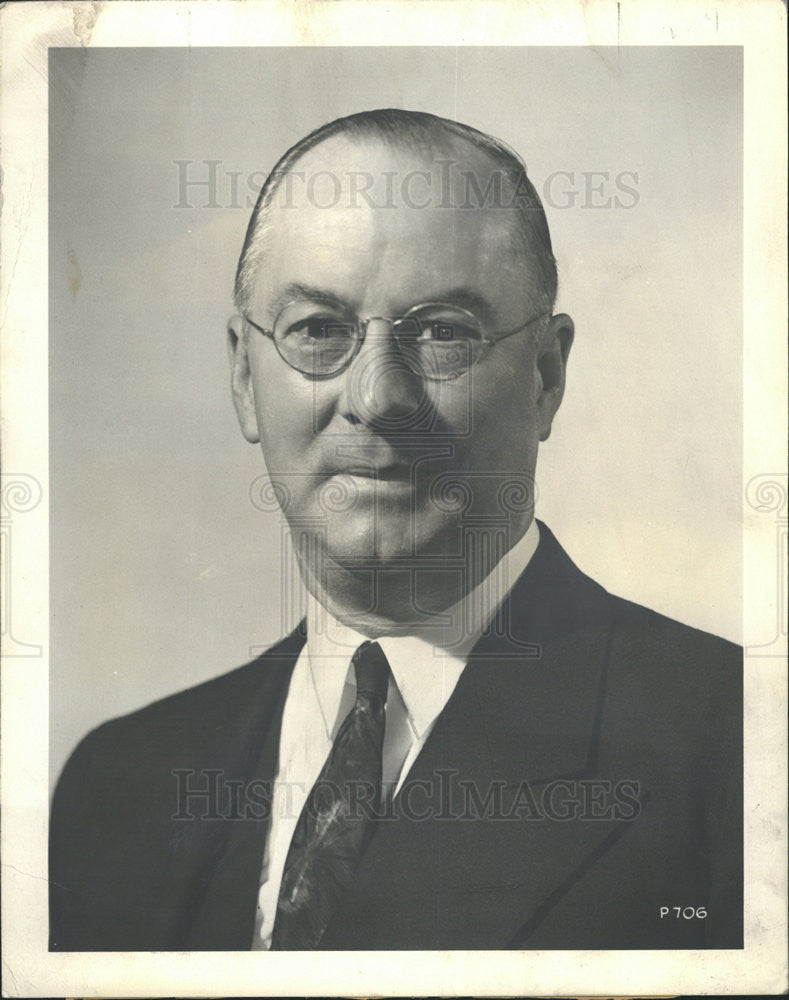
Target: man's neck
(409, 600)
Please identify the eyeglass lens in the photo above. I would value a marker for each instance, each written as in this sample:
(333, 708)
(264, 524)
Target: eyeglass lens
(438, 342)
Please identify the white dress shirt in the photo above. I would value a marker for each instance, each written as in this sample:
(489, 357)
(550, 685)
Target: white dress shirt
(425, 668)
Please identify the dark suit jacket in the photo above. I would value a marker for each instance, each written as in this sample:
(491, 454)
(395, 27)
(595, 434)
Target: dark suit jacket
(581, 789)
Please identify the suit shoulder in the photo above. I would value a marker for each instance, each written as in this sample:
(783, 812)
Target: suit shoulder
(223, 694)
(688, 678)
(653, 626)
(197, 716)
(628, 618)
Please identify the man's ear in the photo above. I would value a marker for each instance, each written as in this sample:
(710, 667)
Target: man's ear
(552, 354)
(241, 379)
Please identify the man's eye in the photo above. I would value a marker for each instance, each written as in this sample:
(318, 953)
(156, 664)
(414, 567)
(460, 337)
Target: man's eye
(320, 329)
(439, 331)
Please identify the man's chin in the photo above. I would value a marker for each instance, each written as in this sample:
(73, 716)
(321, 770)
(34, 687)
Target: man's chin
(361, 543)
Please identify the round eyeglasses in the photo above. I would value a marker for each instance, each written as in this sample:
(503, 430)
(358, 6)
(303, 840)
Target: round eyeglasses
(436, 340)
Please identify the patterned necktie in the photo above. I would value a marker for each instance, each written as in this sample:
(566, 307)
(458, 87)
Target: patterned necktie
(335, 825)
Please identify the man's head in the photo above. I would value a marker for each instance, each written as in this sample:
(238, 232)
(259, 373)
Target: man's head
(388, 462)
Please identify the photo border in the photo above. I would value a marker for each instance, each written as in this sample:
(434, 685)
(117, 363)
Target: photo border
(29, 30)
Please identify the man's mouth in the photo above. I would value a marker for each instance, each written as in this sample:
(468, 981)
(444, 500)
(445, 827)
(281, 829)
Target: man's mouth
(383, 473)
(375, 460)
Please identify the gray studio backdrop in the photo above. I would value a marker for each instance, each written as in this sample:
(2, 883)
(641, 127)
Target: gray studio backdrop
(164, 569)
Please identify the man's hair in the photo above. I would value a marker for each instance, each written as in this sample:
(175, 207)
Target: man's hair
(420, 131)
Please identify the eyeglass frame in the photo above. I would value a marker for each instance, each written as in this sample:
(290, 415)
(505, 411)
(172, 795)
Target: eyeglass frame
(487, 341)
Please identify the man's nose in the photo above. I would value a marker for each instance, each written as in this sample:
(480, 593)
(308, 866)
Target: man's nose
(380, 388)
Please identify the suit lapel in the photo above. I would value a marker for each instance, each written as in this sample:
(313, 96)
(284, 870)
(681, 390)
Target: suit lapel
(479, 847)
(225, 918)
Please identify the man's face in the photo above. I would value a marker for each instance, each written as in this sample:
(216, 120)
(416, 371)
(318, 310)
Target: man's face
(381, 464)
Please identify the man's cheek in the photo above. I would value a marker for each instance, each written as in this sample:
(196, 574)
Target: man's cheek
(286, 432)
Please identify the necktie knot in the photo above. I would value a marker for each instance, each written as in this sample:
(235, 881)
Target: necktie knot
(372, 671)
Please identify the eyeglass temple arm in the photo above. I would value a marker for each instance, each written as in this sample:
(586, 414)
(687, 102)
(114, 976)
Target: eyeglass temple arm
(260, 329)
(500, 335)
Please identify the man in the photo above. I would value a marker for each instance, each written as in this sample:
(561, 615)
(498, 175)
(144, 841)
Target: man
(468, 743)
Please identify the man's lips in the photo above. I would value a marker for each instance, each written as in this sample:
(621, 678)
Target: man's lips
(375, 459)
(396, 471)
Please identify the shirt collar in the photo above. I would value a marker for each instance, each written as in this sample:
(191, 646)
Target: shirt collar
(425, 666)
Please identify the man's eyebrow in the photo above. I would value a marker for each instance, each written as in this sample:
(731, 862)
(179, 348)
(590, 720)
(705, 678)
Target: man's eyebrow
(295, 290)
(465, 298)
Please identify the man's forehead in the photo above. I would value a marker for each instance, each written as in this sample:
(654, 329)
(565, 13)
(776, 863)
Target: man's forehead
(348, 189)
(383, 224)
(375, 174)
(381, 155)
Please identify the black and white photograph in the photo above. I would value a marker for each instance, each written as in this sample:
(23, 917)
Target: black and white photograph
(397, 467)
